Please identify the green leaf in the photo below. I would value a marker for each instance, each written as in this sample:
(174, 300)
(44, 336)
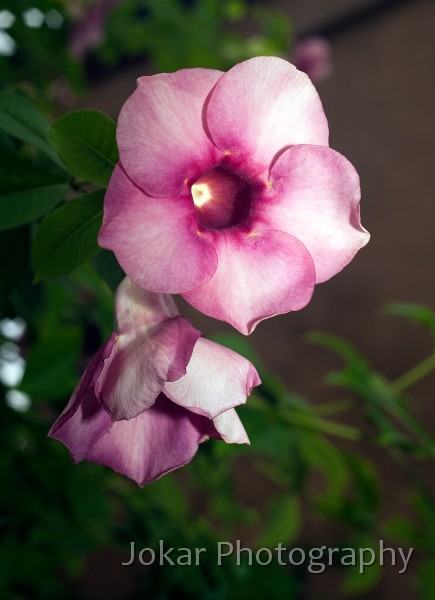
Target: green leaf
(108, 269)
(426, 579)
(68, 236)
(401, 530)
(86, 143)
(22, 206)
(27, 191)
(422, 315)
(340, 346)
(283, 522)
(20, 118)
(238, 343)
(324, 457)
(358, 578)
(365, 481)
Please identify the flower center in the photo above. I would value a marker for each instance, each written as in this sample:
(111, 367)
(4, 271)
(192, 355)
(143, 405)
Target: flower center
(222, 199)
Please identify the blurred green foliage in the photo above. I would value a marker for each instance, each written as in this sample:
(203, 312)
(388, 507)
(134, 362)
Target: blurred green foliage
(56, 518)
(55, 52)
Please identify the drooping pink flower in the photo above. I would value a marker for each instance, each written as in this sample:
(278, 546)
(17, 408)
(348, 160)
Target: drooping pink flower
(312, 55)
(228, 193)
(154, 392)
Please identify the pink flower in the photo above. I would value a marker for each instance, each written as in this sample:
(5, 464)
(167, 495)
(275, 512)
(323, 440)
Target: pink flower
(89, 31)
(228, 193)
(312, 55)
(154, 392)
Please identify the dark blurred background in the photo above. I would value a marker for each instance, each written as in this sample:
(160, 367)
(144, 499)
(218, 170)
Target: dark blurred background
(378, 92)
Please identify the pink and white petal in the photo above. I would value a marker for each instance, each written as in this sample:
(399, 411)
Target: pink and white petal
(259, 275)
(314, 195)
(81, 428)
(228, 427)
(156, 241)
(140, 365)
(85, 385)
(217, 379)
(137, 309)
(159, 440)
(161, 138)
(260, 107)
(177, 339)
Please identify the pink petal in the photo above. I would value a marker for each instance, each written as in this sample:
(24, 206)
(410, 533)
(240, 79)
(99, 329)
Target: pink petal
(314, 195)
(259, 275)
(144, 313)
(228, 427)
(83, 420)
(217, 379)
(160, 134)
(159, 440)
(140, 365)
(260, 107)
(156, 241)
(82, 428)
(137, 309)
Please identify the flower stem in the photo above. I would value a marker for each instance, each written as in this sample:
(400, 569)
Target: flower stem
(311, 423)
(413, 375)
(335, 406)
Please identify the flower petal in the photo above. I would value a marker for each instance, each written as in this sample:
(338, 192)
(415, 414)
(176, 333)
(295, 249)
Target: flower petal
(259, 275)
(137, 309)
(314, 195)
(260, 107)
(228, 427)
(159, 440)
(83, 420)
(140, 364)
(160, 134)
(217, 379)
(156, 241)
(83, 427)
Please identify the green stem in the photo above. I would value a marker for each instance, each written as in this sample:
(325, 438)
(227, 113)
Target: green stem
(306, 421)
(413, 375)
(408, 468)
(395, 410)
(408, 379)
(310, 422)
(403, 416)
(335, 406)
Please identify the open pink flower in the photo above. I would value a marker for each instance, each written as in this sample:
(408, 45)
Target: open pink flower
(154, 392)
(228, 193)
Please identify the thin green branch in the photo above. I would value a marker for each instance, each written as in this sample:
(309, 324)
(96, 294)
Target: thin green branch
(307, 421)
(414, 375)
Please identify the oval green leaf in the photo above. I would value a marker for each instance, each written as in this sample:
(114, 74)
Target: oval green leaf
(68, 236)
(86, 142)
(21, 119)
(18, 207)
(26, 191)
